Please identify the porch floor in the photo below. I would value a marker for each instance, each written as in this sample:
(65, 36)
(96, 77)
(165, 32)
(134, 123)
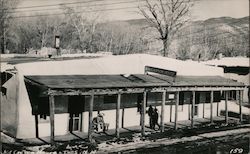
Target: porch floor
(129, 131)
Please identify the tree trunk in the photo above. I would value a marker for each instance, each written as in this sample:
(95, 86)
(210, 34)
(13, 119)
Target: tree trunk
(3, 45)
(165, 47)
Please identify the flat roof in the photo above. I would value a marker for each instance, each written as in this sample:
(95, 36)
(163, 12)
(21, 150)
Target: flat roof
(127, 81)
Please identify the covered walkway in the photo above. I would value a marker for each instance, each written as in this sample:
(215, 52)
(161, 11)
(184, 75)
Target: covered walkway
(200, 125)
(154, 80)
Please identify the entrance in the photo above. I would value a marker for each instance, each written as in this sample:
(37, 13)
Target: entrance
(196, 109)
(76, 108)
(196, 105)
(75, 121)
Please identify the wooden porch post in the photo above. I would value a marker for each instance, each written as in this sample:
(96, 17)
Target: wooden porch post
(211, 106)
(203, 110)
(91, 103)
(189, 117)
(163, 110)
(176, 109)
(52, 118)
(36, 125)
(192, 109)
(123, 110)
(118, 115)
(240, 103)
(217, 109)
(226, 109)
(170, 112)
(143, 113)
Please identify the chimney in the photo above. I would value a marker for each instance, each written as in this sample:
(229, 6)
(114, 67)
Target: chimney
(219, 56)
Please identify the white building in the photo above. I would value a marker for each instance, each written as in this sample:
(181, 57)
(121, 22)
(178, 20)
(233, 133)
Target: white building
(236, 68)
(55, 97)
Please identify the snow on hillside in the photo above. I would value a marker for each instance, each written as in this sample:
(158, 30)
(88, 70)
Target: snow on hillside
(228, 29)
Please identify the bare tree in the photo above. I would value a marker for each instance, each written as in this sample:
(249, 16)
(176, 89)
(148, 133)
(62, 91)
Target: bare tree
(83, 25)
(167, 17)
(6, 12)
(120, 38)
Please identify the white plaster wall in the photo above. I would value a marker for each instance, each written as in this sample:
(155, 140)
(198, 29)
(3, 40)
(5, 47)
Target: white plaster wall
(131, 118)
(182, 112)
(61, 123)
(9, 108)
(110, 117)
(26, 122)
(85, 121)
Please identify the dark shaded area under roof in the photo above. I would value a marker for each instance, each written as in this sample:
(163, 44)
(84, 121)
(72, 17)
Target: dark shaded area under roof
(130, 81)
(237, 70)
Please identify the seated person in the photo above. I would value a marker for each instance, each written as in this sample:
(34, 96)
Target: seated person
(99, 124)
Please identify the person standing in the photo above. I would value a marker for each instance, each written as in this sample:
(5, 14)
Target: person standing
(155, 118)
(150, 113)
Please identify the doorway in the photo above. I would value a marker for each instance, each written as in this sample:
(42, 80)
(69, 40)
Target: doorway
(75, 122)
(76, 107)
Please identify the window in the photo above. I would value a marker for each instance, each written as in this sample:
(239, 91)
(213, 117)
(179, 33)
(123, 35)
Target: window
(171, 96)
(207, 97)
(232, 95)
(139, 102)
(43, 106)
(110, 99)
(197, 97)
(76, 104)
(196, 110)
(217, 96)
(181, 98)
(181, 101)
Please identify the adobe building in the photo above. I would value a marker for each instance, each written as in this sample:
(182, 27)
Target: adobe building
(57, 97)
(236, 68)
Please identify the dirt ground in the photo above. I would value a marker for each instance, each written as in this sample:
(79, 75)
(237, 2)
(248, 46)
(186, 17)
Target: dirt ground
(134, 141)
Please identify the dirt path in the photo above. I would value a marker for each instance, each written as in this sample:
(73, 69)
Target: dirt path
(107, 148)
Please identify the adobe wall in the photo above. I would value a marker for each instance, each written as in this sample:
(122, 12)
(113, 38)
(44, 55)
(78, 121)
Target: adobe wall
(9, 117)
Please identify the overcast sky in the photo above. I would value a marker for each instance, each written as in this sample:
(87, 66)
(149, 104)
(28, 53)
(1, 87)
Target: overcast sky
(201, 10)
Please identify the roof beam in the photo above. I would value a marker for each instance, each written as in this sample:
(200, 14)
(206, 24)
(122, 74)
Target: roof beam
(133, 90)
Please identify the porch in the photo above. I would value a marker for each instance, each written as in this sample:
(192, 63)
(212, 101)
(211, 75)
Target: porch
(201, 125)
(164, 82)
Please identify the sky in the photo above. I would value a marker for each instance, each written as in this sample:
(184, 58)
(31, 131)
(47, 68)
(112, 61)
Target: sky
(202, 9)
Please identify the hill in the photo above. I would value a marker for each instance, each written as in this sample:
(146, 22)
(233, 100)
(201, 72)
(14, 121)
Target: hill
(205, 39)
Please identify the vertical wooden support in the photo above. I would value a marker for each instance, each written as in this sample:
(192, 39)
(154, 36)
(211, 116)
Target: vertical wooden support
(189, 115)
(52, 118)
(217, 109)
(192, 109)
(163, 110)
(143, 113)
(203, 110)
(91, 103)
(176, 110)
(240, 105)
(170, 112)
(211, 106)
(123, 110)
(118, 105)
(36, 125)
(226, 109)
